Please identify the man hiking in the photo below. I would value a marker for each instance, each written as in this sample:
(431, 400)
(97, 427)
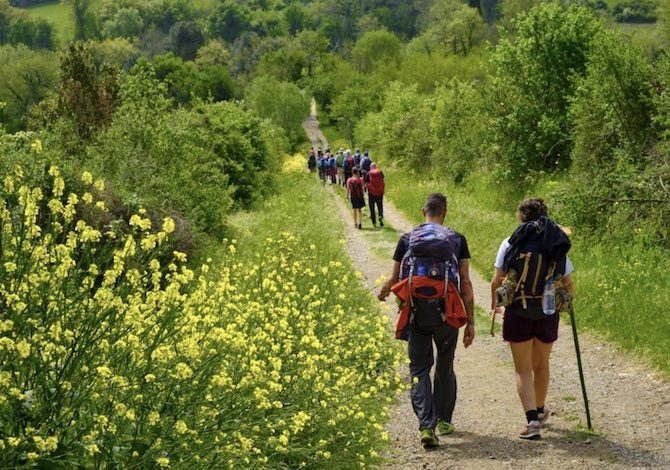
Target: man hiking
(374, 182)
(432, 256)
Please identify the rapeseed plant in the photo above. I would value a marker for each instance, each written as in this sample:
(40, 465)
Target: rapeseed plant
(112, 355)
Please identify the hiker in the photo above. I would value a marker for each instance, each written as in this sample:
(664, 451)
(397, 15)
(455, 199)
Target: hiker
(357, 158)
(332, 167)
(431, 261)
(374, 183)
(355, 195)
(347, 166)
(311, 161)
(322, 164)
(340, 166)
(365, 164)
(534, 256)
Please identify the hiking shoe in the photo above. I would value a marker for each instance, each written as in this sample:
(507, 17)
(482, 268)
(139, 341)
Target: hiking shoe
(360, 226)
(531, 431)
(444, 428)
(429, 439)
(381, 223)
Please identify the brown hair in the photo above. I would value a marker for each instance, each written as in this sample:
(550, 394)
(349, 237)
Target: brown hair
(532, 209)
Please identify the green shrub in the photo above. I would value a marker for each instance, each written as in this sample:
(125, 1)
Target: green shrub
(536, 73)
(459, 129)
(198, 163)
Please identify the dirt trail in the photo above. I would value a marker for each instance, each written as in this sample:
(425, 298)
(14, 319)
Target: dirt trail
(630, 404)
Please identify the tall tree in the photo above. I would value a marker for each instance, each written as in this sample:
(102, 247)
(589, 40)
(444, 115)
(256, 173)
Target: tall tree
(536, 74)
(85, 21)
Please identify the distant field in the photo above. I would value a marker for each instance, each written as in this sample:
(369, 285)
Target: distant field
(650, 36)
(59, 14)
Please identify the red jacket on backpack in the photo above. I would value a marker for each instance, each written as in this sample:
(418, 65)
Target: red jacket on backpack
(375, 183)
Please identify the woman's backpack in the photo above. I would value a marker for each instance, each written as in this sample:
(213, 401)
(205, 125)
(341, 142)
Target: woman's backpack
(356, 187)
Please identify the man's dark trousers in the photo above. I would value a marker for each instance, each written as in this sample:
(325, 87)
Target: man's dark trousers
(431, 403)
(376, 201)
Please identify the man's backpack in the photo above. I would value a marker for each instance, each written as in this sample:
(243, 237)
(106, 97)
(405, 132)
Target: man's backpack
(365, 163)
(348, 163)
(311, 163)
(357, 159)
(322, 163)
(536, 255)
(430, 269)
(376, 183)
(332, 162)
(356, 187)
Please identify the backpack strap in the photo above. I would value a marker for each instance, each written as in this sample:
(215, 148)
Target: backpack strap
(521, 284)
(538, 268)
(409, 280)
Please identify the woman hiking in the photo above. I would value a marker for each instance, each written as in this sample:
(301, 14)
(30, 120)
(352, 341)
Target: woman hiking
(531, 266)
(355, 195)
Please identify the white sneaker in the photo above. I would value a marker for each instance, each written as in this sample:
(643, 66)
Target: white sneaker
(531, 431)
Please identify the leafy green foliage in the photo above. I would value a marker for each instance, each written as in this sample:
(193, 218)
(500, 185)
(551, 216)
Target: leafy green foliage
(635, 11)
(458, 129)
(374, 47)
(228, 21)
(198, 163)
(405, 119)
(281, 102)
(364, 95)
(27, 77)
(536, 74)
(185, 80)
(88, 95)
(126, 23)
(454, 26)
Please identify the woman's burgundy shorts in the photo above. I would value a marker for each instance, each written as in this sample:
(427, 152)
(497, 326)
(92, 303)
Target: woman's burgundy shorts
(517, 329)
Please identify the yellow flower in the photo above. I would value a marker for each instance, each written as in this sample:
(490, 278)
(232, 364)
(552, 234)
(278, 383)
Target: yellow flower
(92, 449)
(87, 177)
(23, 348)
(180, 427)
(183, 371)
(163, 462)
(153, 417)
(168, 225)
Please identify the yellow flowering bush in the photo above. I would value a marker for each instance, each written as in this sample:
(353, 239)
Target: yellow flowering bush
(114, 356)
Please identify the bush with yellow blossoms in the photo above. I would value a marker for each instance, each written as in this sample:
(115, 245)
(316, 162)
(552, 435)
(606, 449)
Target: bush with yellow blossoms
(110, 358)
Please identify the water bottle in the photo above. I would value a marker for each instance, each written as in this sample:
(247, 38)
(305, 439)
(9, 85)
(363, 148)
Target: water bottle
(549, 297)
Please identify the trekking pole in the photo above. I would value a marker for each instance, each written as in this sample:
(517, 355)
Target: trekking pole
(493, 322)
(579, 364)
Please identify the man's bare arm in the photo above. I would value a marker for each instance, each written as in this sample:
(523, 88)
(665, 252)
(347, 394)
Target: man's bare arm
(386, 287)
(467, 293)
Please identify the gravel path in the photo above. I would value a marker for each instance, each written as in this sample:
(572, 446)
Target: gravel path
(630, 403)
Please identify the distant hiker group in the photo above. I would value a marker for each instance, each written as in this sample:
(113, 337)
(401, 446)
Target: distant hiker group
(358, 174)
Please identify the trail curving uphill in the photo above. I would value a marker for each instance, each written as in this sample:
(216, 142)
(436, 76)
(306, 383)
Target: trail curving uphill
(630, 403)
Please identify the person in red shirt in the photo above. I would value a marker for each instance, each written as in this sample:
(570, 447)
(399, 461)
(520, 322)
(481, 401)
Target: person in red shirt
(355, 188)
(374, 182)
